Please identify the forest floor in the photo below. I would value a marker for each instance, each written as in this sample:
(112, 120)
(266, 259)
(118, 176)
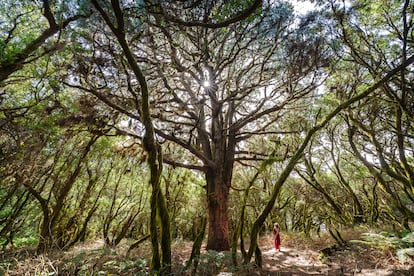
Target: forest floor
(304, 258)
(298, 256)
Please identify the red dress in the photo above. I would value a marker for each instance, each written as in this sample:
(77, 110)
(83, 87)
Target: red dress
(277, 238)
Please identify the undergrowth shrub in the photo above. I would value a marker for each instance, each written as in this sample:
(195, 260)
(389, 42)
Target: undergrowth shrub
(402, 245)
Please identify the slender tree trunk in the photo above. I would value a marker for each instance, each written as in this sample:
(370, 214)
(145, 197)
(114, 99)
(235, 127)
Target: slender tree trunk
(45, 235)
(195, 251)
(165, 232)
(150, 145)
(155, 265)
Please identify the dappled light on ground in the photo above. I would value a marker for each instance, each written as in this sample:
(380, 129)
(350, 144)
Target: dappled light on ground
(298, 256)
(289, 258)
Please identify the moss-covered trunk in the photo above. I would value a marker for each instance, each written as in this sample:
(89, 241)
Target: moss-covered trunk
(160, 264)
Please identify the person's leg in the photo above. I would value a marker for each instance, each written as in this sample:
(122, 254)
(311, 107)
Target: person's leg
(277, 243)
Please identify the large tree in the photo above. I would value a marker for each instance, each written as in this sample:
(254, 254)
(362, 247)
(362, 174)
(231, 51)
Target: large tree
(219, 86)
(218, 81)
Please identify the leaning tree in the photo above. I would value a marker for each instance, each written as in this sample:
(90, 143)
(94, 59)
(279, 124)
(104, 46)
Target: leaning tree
(376, 37)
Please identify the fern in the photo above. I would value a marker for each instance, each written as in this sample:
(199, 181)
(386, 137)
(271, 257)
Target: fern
(404, 247)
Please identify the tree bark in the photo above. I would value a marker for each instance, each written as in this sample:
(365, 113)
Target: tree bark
(154, 160)
(218, 219)
(195, 251)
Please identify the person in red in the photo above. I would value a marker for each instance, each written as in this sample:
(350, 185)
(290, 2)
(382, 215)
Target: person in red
(276, 236)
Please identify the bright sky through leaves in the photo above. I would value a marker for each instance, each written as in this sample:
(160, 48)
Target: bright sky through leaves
(302, 7)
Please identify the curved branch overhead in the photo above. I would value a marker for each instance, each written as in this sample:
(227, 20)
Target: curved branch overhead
(158, 9)
(26, 54)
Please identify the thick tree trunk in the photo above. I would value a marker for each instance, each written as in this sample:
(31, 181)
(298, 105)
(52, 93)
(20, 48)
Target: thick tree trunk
(218, 218)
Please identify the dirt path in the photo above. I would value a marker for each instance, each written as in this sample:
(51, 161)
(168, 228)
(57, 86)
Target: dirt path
(295, 258)
(291, 261)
